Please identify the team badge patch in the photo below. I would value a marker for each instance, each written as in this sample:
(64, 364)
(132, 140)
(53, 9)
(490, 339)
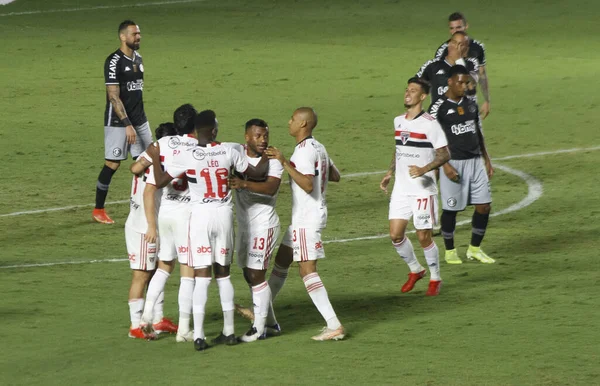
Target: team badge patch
(472, 108)
(404, 136)
(460, 110)
(117, 152)
(451, 202)
(199, 154)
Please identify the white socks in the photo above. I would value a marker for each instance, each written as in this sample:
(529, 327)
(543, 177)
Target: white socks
(261, 297)
(318, 294)
(407, 253)
(155, 288)
(199, 305)
(277, 280)
(226, 294)
(432, 256)
(135, 312)
(186, 293)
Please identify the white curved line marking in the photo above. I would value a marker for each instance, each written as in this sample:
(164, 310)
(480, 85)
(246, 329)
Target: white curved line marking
(534, 192)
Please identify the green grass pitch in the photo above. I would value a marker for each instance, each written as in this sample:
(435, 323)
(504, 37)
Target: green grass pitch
(530, 319)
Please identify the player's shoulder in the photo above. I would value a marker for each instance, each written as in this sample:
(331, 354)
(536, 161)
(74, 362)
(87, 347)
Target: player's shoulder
(440, 51)
(437, 106)
(473, 63)
(477, 43)
(135, 53)
(114, 56)
(426, 117)
(399, 119)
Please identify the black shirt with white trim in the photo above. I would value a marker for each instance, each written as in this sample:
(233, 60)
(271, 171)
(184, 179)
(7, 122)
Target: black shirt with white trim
(436, 71)
(128, 73)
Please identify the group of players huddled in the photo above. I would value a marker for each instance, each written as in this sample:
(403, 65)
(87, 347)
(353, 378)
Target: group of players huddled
(181, 206)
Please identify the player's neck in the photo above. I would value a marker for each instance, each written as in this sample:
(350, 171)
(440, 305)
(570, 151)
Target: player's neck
(251, 153)
(303, 135)
(126, 50)
(453, 97)
(414, 111)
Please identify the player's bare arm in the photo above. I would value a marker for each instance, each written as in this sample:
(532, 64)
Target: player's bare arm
(268, 187)
(385, 181)
(305, 182)
(150, 212)
(112, 90)
(485, 90)
(334, 173)
(139, 166)
(451, 172)
(161, 177)
(486, 157)
(442, 155)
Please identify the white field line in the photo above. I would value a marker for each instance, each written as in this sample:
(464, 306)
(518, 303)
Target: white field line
(41, 11)
(534, 192)
(528, 155)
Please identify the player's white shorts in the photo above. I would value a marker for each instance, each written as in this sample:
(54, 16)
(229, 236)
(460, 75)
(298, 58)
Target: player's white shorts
(255, 247)
(472, 188)
(306, 243)
(142, 256)
(211, 236)
(423, 210)
(173, 225)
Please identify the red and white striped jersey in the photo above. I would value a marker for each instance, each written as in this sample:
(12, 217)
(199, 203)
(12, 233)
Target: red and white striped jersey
(137, 217)
(177, 193)
(254, 209)
(207, 169)
(309, 210)
(416, 141)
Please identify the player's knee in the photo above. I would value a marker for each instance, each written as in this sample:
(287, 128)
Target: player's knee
(167, 266)
(396, 237)
(483, 209)
(205, 271)
(285, 256)
(424, 237)
(186, 270)
(113, 164)
(221, 270)
(255, 277)
(141, 277)
(307, 267)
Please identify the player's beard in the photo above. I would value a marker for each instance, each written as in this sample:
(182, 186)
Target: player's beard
(134, 46)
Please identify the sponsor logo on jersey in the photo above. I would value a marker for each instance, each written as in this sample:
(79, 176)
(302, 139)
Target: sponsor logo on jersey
(177, 197)
(442, 90)
(151, 249)
(138, 85)
(200, 154)
(132, 257)
(127, 68)
(440, 72)
(451, 202)
(424, 217)
(117, 152)
(112, 67)
(225, 251)
(181, 249)
(450, 111)
(214, 200)
(204, 249)
(400, 154)
(174, 142)
(319, 245)
(254, 255)
(462, 128)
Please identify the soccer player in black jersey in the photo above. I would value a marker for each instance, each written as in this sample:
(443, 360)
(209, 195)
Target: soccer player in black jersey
(436, 71)
(465, 178)
(125, 125)
(458, 22)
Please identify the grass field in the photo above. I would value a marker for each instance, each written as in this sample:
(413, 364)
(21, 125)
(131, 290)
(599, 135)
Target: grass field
(532, 318)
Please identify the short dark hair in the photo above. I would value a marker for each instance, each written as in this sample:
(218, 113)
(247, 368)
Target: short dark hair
(125, 24)
(164, 130)
(457, 70)
(425, 86)
(256, 122)
(205, 120)
(457, 16)
(463, 33)
(183, 119)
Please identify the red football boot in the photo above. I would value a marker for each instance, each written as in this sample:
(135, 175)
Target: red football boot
(137, 333)
(165, 325)
(100, 216)
(412, 279)
(434, 288)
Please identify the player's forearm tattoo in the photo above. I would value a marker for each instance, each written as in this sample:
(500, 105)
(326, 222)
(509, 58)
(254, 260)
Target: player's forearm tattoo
(483, 82)
(442, 155)
(117, 104)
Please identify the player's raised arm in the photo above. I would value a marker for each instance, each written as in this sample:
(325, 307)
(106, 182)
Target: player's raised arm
(304, 181)
(140, 165)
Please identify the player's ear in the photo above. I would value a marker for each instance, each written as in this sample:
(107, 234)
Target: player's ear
(423, 96)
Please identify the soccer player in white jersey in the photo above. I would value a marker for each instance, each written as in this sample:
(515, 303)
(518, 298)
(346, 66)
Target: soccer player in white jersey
(258, 225)
(141, 246)
(421, 147)
(207, 168)
(310, 168)
(173, 217)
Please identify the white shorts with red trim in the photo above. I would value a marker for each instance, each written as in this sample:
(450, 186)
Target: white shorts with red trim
(306, 243)
(423, 210)
(254, 247)
(210, 236)
(142, 255)
(173, 232)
